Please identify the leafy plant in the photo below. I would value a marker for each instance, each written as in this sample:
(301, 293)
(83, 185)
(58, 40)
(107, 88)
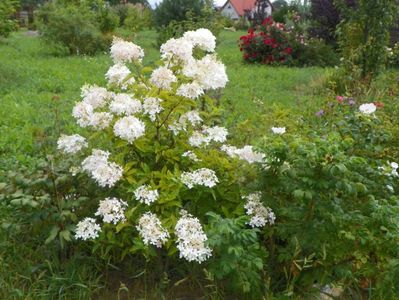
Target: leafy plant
(7, 22)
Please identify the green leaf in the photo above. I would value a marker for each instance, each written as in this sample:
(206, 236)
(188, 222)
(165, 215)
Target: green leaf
(53, 234)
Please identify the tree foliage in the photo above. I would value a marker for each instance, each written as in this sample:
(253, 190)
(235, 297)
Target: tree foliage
(7, 22)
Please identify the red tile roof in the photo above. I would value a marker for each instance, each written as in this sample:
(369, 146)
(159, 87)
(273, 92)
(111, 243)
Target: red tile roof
(242, 5)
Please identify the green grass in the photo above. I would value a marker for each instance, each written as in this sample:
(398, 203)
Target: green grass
(37, 87)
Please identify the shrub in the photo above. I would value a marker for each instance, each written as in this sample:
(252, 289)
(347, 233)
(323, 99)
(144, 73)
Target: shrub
(138, 18)
(7, 22)
(176, 10)
(169, 165)
(332, 185)
(268, 44)
(77, 28)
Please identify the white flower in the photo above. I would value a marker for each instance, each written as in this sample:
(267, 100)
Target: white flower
(367, 108)
(202, 38)
(278, 130)
(191, 155)
(198, 139)
(216, 133)
(100, 120)
(71, 143)
(178, 49)
(260, 215)
(152, 107)
(191, 117)
(390, 188)
(151, 230)
(204, 176)
(190, 90)
(208, 72)
(124, 104)
(87, 229)
(83, 112)
(394, 165)
(112, 210)
(129, 128)
(246, 153)
(163, 78)
(117, 74)
(94, 95)
(104, 172)
(191, 239)
(123, 51)
(146, 195)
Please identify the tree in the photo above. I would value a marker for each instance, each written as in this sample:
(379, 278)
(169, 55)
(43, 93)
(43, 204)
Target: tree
(176, 10)
(7, 21)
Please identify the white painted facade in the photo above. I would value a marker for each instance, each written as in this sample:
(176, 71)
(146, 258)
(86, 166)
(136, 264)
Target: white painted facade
(229, 11)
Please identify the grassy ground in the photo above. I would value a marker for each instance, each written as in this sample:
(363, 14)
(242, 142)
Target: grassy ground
(36, 88)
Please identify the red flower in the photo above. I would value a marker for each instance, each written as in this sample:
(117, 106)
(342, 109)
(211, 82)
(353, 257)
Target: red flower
(288, 50)
(379, 104)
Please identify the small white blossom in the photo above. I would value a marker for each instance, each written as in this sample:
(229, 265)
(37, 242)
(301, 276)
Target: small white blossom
(191, 117)
(100, 120)
(390, 188)
(71, 143)
(278, 130)
(191, 239)
(112, 210)
(87, 229)
(191, 155)
(205, 177)
(123, 51)
(129, 128)
(124, 104)
(198, 139)
(152, 107)
(367, 108)
(208, 72)
(216, 133)
(190, 90)
(177, 49)
(260, 215)
(103, 172)
(202, 38)
(117, 74)
(151, 230)
(246, 153)
(146, 195)
(163, 78)
(83, 113)
(94, 95)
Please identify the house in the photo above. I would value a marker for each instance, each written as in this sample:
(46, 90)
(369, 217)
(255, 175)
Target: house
(236, 9)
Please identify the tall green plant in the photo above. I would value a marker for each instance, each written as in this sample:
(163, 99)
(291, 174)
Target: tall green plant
(7, 23)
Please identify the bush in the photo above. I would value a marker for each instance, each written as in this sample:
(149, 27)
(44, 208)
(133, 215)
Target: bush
(176, 10)
(7, 22)
(76, 28)
(138, 18)
(268, 44)
(332, 187)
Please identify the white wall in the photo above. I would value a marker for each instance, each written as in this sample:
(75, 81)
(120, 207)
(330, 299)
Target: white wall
(229, 11)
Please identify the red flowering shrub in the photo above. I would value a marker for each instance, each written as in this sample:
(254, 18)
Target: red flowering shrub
(268, 43)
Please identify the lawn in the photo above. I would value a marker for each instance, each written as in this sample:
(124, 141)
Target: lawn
(38, 88)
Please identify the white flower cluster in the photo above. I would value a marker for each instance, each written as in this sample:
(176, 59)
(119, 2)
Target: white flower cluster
(117, 74)
(95, 96)
(104, 172)
(191, 117)
(191, 155)
(207, 135)
(125, 52)
(129, 128)
(151, 230)
(112, 210)
(152, 107)
(85, 116)
(163, 78)
(246, 153)
(260, 215)
(71, 143)
(367, 108)
(203, 176)
(146, 195)
(124, 104)
(191, 239)
(278, 130)
(391, 170)
(87, 229)
(206, 73)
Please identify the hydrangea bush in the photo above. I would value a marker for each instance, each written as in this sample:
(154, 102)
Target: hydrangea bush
(156, 146)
